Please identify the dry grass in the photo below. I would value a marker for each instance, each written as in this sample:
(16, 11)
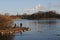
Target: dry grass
(4, 21)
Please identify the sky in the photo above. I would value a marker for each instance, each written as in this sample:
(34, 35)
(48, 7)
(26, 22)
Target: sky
(28, 6)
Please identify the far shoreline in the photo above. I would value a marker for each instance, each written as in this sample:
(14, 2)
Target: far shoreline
(39, 19)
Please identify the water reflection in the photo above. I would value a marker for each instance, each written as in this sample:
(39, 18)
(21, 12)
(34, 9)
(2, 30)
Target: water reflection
(10, 37)
(40, 30)
(6, 37)
(52, 25)
(21, 33)
(48, 25)
(51, 22)
(45, 22)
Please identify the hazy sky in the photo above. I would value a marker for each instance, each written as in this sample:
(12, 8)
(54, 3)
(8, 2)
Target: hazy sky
(28, 6)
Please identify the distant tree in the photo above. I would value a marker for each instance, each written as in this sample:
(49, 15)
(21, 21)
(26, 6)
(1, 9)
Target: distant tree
(25, 15)
(47, 14)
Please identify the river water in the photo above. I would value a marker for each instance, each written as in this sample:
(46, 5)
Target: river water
(40, 30)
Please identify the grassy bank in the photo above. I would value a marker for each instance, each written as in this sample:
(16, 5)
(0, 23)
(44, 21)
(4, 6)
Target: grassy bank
(13, 30)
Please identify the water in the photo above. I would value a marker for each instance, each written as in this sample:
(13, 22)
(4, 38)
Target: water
(40, 30)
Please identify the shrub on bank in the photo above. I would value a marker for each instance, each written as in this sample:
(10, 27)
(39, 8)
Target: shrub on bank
(5, 21)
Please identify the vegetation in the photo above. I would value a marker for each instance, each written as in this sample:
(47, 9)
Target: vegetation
(39, 15)
(5, 21)
(43, 15)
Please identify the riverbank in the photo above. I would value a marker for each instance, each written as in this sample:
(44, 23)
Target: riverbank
(13, 30)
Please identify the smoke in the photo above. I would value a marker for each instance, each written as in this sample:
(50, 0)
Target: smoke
(36, 8)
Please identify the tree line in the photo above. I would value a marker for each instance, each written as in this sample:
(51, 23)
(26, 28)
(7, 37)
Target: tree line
(43, 15)
(39, 15)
